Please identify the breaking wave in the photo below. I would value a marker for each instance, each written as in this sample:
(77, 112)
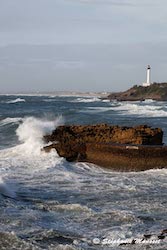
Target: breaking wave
(56, 202)
(141, 110)
(16, 100)
(87, 100)
(26, 161)
(31, 131)
(149, 101)
(10, 120)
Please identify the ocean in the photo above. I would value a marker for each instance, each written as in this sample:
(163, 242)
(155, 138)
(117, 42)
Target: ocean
(48, 203)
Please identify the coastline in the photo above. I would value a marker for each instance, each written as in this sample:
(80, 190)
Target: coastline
(156, 91)
(60, 93)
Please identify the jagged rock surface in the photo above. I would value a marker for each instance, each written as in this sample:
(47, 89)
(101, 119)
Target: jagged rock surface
(107, 146)
(142, 134)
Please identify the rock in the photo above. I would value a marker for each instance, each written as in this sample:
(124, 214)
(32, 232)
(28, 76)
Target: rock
(156, 91)
(119, 148)
(103, 133)
(161, 237)
(164, 231)
(147, 236)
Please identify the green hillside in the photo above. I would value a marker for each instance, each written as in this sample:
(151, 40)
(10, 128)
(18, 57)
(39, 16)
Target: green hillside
(156, 91)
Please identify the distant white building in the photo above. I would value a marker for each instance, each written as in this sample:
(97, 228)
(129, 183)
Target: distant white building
(148, 80)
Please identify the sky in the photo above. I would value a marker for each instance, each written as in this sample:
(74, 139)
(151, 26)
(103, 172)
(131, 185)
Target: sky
(81, 45)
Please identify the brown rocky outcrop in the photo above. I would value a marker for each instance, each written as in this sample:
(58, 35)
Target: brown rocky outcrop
(156, 91)
(143, 134)
(119, 148)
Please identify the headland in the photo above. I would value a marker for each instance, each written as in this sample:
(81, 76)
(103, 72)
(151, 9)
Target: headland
(156, 91)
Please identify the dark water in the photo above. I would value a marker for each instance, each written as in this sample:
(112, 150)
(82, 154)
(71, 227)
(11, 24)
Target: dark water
(47, 203)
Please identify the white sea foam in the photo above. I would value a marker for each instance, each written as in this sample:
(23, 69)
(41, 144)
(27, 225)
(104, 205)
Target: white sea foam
(26, 159)
(148, 101)
(96, 110)
(87, 100)
(10, 120)
(71, 207)
(31, 132)
(141, 110)
(16, 100)
(106, 100)
(131, 109)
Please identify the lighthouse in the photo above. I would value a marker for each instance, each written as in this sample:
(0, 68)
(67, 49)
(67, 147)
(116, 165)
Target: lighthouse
(148, 80)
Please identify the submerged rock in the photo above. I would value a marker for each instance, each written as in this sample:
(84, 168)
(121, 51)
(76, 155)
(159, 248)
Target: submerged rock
(119, 148)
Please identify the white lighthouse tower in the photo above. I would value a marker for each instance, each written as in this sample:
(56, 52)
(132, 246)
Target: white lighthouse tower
(148, 80)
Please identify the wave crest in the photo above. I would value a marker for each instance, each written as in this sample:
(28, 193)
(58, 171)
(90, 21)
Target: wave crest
(32, 130)
(87, 100)
(10, 120)
(141, 110)
(16, 100)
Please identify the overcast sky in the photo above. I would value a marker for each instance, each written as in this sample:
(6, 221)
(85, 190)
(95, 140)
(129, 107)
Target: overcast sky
(81, 45)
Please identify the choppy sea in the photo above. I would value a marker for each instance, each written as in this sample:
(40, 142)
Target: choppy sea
(48, 203)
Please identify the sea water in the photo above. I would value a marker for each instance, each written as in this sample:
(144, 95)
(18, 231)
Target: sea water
(48, 203)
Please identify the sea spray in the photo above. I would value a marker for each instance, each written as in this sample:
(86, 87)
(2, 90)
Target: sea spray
(31, 132)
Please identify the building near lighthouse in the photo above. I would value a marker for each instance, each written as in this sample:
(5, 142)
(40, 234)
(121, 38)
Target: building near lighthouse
(148, 77)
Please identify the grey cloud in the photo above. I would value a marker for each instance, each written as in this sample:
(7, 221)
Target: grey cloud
(104, 2)
(68, 21)
(79, 67)
(106, 44)
(117, 2)
(68, 65)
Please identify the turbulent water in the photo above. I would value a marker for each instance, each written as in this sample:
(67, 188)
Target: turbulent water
(47, 203)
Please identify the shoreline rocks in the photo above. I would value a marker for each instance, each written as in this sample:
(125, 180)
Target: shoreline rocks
(118, 148)
(156, 91)
(104, 133)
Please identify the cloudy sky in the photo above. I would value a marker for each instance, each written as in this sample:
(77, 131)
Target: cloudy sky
(81, 45)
